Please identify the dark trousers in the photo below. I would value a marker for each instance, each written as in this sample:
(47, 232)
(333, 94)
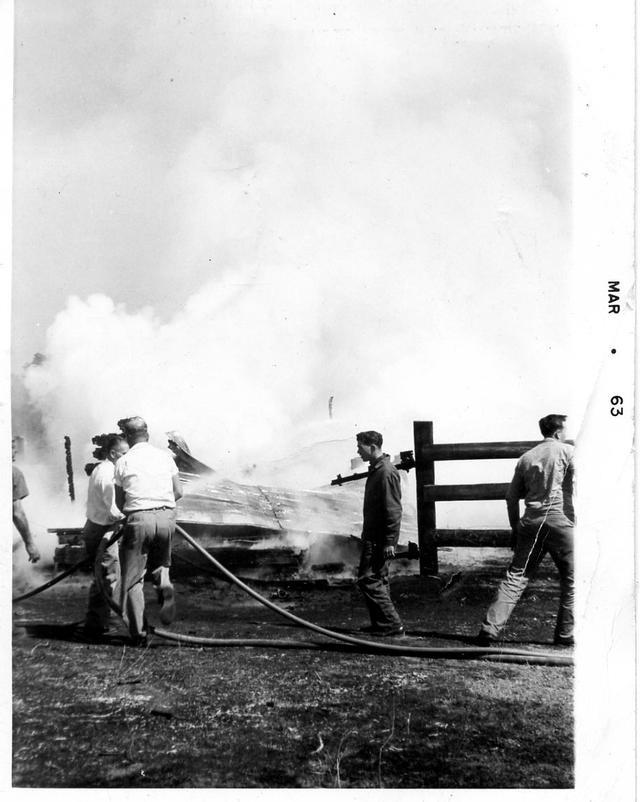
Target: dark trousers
(99, 611)
(373, 581)
(532, 543)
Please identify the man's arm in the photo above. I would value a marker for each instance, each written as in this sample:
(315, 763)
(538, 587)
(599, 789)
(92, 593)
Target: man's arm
(569, 483)
(392, 495)
(22, 525)
(119, 498)
(107, 490)
(515, 492)
(177, 489)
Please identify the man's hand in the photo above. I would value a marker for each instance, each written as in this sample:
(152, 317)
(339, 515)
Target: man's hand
(389, 552)
(22, 525)
(32, 551)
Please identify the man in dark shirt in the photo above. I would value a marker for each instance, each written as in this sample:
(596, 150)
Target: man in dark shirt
(20, 521)
(382, 512)
(544, 479)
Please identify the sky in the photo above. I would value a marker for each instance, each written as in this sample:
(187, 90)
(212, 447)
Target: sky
(226, 214)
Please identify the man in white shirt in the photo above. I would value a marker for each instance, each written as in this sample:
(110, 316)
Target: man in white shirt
(147, 488)
(102, 518)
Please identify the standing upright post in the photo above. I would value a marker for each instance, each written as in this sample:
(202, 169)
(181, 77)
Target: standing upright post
(426, 510)
(67, 450)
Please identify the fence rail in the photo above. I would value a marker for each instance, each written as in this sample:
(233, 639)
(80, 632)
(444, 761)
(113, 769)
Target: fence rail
(454, 451)
(481, 492)
(427, 453)
(466, 538)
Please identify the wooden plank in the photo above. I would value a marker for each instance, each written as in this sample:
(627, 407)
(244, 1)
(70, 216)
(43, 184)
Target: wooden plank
(425, 508)
(469, 538)
(462, 451)
(480, 492)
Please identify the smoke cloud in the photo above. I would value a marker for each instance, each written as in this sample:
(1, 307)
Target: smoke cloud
(264, 207)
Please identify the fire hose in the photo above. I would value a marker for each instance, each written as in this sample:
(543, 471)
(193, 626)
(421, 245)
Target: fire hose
(51, 582)
(356, 644)
(347, 642)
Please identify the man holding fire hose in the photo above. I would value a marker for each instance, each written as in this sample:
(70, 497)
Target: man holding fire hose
(147, 488)
(103, 517)
(382, 512)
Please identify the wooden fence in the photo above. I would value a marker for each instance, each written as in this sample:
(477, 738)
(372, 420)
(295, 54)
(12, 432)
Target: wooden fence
(427, 453)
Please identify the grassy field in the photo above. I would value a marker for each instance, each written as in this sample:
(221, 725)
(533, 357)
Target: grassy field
(108, 715)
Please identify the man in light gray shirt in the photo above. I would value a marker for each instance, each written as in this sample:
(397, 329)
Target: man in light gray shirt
(544, 479)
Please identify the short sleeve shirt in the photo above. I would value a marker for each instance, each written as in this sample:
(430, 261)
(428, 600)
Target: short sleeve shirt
(101, 503)
(145, 473)
(20, 489)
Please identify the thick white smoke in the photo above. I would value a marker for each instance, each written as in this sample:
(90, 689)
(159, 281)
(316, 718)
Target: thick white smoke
(381, 212)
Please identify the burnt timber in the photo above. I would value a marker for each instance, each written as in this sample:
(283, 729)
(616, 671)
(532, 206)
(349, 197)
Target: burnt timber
(255, 530)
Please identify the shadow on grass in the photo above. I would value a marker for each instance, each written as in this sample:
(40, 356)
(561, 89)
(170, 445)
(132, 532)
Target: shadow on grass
(72, 633)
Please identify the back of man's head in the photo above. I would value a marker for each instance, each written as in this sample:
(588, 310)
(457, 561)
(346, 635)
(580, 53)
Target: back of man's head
(105, 443)
(551, 424)
(370, 438)
(134, 429)
(112, 441)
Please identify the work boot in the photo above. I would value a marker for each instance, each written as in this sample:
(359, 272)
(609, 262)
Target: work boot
(383, 632)
(94, 628)
(166, 595)
(391, 632)
(563, 640)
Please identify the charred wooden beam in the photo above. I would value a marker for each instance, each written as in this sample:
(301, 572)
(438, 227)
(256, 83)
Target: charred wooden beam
(69, 466)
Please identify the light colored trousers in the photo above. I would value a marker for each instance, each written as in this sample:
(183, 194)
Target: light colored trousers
(533, 542)
(146, 543)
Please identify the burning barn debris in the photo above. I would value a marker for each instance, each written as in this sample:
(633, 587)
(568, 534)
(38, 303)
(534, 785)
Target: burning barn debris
(257, 531)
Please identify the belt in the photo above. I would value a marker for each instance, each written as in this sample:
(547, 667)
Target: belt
(148, 509)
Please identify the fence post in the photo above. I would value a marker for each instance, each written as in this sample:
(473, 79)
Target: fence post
(67, 450)
(426, 510)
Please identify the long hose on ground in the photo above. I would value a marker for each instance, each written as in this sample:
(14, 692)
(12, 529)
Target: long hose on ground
(460, 653)
(348, 643)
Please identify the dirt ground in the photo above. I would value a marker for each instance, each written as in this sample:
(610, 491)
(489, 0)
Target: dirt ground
(176, 716)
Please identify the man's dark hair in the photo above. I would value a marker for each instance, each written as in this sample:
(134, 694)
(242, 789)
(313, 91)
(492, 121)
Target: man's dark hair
(113, 440)
(370, 438)
(105, 443)
(550, 424)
